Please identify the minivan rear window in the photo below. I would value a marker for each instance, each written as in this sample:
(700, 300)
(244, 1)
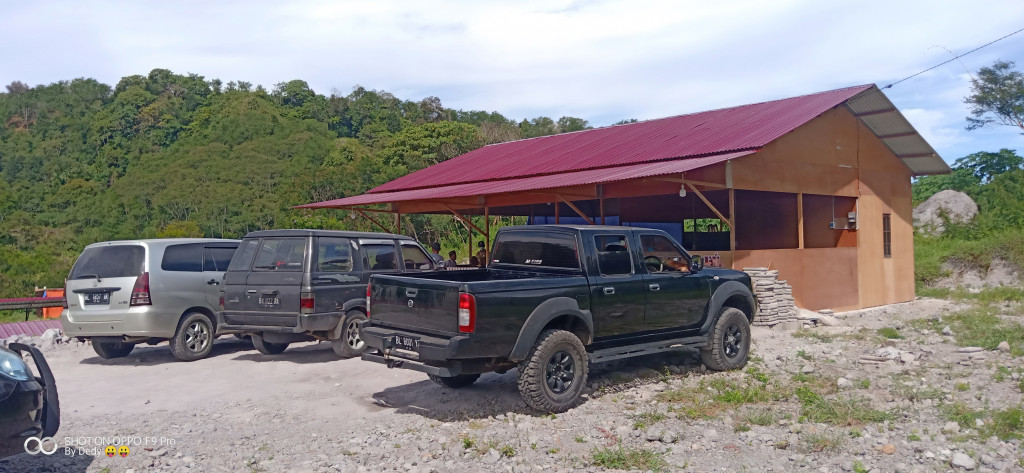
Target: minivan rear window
(116, 261)
(243, 255)
(280, 254)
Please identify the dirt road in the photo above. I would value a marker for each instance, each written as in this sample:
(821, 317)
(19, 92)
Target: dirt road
(830, 399)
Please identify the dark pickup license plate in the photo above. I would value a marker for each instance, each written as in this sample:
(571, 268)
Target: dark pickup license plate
(270, 302)
(97, 298)
(406, 343)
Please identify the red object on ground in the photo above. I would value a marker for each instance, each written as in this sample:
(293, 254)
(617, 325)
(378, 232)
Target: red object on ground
(34, 327)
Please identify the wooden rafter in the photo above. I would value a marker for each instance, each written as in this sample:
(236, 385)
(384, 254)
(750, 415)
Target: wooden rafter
(372, 219)
(466, 221)
(576, 209)
(687, 181)
(712, 207)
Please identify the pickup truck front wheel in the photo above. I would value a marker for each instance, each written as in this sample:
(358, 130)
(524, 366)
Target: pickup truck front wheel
(729, 341)
(554, 373)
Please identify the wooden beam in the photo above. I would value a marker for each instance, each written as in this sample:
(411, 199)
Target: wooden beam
(386, 229)
(487, 235)
(800, 219)
(556, 212)
(577, 210)
(732, 228)
(712, 207)
(468, 223)
(687, 181)
(398, 223)
(361, 209)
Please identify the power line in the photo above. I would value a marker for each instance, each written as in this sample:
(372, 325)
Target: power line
(953, 59)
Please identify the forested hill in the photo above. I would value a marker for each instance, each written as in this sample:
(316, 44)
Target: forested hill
(179, 155)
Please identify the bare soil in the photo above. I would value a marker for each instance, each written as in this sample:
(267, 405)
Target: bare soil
(308, 411)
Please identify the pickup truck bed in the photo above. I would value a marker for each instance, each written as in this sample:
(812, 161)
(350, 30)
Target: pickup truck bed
(553, 300)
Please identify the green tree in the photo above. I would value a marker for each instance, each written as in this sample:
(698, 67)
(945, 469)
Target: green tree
(985, 165)
(997, 97)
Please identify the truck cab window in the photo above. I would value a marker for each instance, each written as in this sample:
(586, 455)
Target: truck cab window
(660, 255)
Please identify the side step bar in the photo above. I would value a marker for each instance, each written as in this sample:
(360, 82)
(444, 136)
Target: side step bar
(629, 351)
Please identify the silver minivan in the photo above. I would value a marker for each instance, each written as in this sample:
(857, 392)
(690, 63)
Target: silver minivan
(121, 293)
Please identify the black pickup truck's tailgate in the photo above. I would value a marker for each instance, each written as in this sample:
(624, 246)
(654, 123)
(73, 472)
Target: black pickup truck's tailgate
(428, 305)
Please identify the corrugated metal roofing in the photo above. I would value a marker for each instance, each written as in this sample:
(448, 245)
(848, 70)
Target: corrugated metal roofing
(698, 134)
(886, 122)
(591, 176)
(34, 327)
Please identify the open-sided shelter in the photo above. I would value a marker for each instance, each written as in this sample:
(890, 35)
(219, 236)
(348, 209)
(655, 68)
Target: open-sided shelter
(816, 186)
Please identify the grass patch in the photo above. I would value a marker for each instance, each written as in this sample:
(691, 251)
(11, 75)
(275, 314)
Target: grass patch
(647, 419)
(507, 451)
(903, 386)
(813, 335)
(762, 417)
(711, 396)
(17, 316)
(964, 245)
(803, 355)
(628, 458)
(963, 387)
(890, 333)
(841, 412)
(961, 413)
(1006, 424)
(823, 441)
(980, 327)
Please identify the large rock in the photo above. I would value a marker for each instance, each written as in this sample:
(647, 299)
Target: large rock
(954, 205)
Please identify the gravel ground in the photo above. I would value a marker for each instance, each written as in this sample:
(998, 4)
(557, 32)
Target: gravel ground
(831, 399)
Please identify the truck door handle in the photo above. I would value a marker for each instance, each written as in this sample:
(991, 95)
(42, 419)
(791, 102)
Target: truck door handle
(654, 287)
(213, 282)
(609, 290)
(251, 291)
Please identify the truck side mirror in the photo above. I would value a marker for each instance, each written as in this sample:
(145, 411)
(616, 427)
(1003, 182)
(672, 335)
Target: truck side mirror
(696, 263)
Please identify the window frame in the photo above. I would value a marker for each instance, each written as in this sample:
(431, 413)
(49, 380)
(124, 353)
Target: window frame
(262, 246)
(886, 235)
(598, 251)
(353, 253)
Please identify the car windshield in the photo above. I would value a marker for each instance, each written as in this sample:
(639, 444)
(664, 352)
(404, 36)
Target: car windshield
(116, 261)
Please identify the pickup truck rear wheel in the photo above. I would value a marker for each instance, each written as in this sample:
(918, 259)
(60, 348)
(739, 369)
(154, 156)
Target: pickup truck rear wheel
(267, 348)
(350, 344)
(729, 341)
(455, 382)
(109, 350)
(554, 373)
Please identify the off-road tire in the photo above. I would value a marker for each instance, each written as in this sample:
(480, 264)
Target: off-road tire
(350, 344)
(194, 338)
(267, 348)
(554, 373)
(729, 341)
(455, 382)
(111, 350)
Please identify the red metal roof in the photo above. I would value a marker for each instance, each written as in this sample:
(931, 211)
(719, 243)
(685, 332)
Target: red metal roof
(35, 327)
(592, 176)
(747, 127)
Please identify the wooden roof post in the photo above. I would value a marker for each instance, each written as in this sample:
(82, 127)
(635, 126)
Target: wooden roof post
(800, 219)
(487, 228)
(732, 225)
(600, 197)
(557, 205)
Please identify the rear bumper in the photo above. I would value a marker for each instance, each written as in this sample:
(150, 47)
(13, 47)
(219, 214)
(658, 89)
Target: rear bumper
(431, 348)
(452, 368)
(305, 323)
(143, 321)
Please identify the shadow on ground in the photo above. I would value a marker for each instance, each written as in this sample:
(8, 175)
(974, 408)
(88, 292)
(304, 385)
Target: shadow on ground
(59, 462)
(494, 394)
(149, 355)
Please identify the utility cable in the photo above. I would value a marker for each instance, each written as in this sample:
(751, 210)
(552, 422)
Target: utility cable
(953, 59)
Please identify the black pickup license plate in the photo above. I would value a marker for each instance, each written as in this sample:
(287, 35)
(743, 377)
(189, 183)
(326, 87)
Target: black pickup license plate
(406, 343)
(97, 298)
(269, 302)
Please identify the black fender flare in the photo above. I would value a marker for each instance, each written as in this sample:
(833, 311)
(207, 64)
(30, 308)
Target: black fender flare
(723, 293)
(544, 313)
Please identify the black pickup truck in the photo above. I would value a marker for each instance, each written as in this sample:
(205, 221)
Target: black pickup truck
(553, 299)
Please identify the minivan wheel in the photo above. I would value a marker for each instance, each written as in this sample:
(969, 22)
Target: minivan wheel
(109, 350)
(194, 338)
(267, 348)
(350, 344)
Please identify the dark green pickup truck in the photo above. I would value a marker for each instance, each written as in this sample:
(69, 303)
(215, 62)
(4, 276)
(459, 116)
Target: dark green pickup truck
(553, 299)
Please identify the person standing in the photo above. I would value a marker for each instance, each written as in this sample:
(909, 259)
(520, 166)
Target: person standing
(481, 253)
(451, 261)
(435, 254)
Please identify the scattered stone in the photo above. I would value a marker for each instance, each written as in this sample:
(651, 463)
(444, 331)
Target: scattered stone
(970, 350)
(844, 383)
(961, 460)
(951, 427)
(807, 369)
(1004, 346)
(947, 331)
(871, 359)
(888, 449)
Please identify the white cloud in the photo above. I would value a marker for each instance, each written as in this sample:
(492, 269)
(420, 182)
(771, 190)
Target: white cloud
(600, 60)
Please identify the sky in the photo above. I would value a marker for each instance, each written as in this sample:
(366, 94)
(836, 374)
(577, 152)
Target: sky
(603, 61)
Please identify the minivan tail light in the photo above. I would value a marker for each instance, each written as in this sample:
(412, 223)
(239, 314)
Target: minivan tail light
(467, 313)
(140, 293)
(306, 303)
(367, 300)
(65, 305)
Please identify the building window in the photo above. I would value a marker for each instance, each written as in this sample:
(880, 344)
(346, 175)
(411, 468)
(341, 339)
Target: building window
(887, 235)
